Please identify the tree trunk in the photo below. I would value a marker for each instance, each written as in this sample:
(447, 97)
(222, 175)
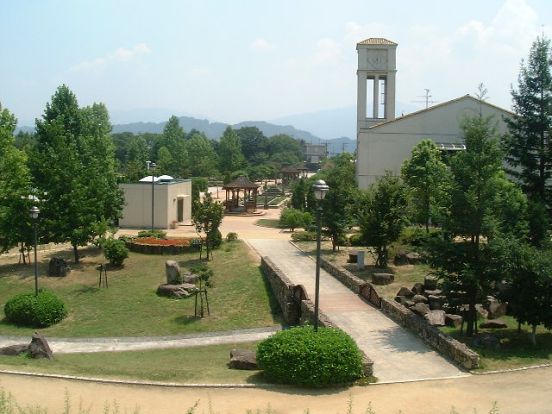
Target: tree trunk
(534, 335)
(472, 320)
(75, 253)
(519, 328)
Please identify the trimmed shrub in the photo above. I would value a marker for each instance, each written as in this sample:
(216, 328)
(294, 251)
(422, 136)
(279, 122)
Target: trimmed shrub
(231, 236)
(356, 240)
(115, 251)
(40, 311)
(304, 236)
(156, 234)
(292, 218)
(301, 356)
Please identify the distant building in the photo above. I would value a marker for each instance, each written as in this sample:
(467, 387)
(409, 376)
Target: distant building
(383, 141)
(314, 153)
(172, 202)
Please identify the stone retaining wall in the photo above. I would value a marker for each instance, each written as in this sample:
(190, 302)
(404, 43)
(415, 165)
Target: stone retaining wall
(444, 344)
(296, 306)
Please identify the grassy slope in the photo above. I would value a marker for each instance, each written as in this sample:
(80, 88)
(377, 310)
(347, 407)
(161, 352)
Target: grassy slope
(240, 297)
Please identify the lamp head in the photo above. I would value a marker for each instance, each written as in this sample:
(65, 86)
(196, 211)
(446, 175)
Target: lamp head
(320, 189)
(33, 212)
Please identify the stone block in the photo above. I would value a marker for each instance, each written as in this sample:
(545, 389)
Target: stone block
(172, 271)
(39, 348)
(382, 278)
(243, 359)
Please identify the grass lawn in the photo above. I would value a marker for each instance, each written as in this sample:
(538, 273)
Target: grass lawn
(240, 298)
(515, 350)
(206, 364)
(405, 275)
(271, 223)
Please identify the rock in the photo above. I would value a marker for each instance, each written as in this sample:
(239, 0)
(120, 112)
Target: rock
(404, 301)
(481, 311)
(176, 291)
(39, 348)
(493, 324)
(404, 291)
(436, 302)
(435, 317)
(496, 309)
(420, 308)
(430, 282)
(419, 299)
(400, 259)
(243, 359)
(190, 278)
(413, 258)
(14, 349)
(382, 278)
(58, 267)
(418, 288)
(488, 341)
(434, 292)
(172, 271)
(453, 320)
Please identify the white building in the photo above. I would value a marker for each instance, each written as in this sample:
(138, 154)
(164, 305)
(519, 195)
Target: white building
(172, 202)
(383, 141)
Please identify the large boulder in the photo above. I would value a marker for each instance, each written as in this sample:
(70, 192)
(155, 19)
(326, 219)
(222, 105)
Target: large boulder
(400, 259)
(436, 302)
(420, 308)
(430, 282)
(382, 278)
(243, 359)
(493, 324)
(419, 299)
(176, 291)
(39, 348)
(190, 278)
(413, 258)
(404, 301)
(435, 317)
(418, 288)
(172, 271)
(58, 267)
(404, 291)
(453, 320)
(496, 309)
(14, 350)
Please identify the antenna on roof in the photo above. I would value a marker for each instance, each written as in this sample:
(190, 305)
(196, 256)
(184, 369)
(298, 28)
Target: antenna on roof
(427, 101)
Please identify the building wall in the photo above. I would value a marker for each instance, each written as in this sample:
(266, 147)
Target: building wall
(386, 146)
(137, 207)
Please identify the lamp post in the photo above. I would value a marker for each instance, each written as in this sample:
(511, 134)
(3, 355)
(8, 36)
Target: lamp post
(151, 166)
(320, 189)
(33, 212)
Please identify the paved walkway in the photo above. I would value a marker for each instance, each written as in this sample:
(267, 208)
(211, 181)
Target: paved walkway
(75, 345)
(398, 354)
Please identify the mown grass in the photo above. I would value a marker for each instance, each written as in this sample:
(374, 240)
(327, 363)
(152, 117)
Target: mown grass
(271, 223)
(515, 349)
(240, 297)
(201, 365)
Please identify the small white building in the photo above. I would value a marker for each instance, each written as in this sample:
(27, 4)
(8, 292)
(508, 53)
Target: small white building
(385, 142)
(172, 202)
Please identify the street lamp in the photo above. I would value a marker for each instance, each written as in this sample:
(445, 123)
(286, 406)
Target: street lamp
(33, 212)
(152, 165)
(320, 189)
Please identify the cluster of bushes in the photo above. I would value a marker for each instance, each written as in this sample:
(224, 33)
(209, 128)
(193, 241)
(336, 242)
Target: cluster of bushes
(301, 356)
(156, 234)
(115, 250)
(39, 311)
(293, 218)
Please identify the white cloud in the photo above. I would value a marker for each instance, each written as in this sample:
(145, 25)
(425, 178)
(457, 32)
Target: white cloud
(119, 55)
(261, 45)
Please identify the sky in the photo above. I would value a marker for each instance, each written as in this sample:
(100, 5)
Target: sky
(242, 60)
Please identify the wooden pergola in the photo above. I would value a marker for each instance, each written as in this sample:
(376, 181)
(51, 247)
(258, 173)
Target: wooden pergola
(233, 190)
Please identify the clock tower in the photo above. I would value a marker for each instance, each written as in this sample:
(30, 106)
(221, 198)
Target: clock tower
(376, 82)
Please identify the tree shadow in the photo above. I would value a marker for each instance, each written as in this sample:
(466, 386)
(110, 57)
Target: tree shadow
(187, 319)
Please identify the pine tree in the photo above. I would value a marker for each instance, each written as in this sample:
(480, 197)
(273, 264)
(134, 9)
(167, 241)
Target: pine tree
(529, 142)
(230, 154)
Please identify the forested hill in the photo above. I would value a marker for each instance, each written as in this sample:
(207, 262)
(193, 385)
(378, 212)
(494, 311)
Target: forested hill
(214, 130)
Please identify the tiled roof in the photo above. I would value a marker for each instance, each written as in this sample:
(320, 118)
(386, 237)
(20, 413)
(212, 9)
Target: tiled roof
(240, 182)
(377, 41)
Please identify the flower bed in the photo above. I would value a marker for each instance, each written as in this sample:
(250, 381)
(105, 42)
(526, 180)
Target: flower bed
(152, 245)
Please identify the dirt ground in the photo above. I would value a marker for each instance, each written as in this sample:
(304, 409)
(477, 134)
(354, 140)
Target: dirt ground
(519, 392)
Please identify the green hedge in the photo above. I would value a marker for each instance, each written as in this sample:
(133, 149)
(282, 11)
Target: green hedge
(36, 311)
(301, 356)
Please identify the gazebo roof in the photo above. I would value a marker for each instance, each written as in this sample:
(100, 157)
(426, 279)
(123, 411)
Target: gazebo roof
(293, 168)
(240, 182)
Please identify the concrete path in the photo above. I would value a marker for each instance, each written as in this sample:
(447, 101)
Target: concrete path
(75, 345)
(398, 354)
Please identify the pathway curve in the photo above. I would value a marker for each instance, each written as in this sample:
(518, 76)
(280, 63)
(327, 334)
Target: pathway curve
(75, 345)
(398, 354)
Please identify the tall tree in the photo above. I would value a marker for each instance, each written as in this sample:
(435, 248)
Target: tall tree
(202, 155)
(74, 166)
(382, 215)
(254, 145)
(173, 139)
(481, 201)
(426, 175)
(529, 142)
(15, 188)
(230, 154)
(337, 206)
